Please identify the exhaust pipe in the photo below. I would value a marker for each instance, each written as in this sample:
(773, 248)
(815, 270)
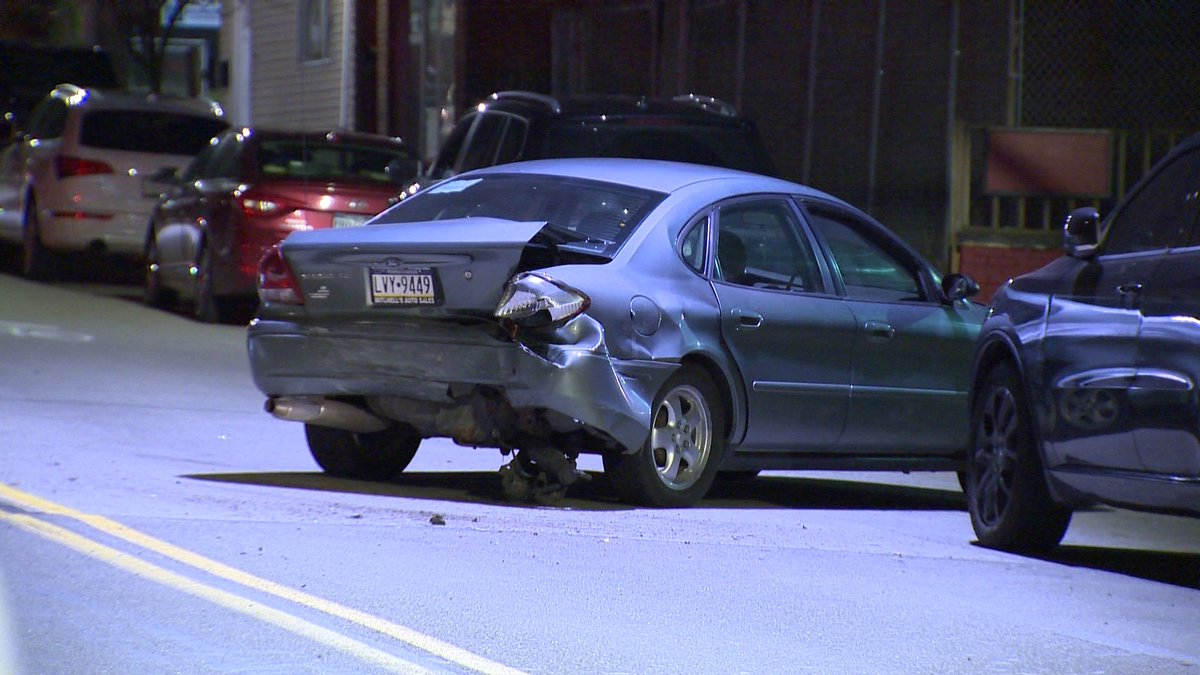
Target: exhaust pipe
(325, 413)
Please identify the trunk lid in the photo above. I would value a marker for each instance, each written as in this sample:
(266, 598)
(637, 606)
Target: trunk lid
(428, 269)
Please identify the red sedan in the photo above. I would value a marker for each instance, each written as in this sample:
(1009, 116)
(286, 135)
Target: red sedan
(248, 190)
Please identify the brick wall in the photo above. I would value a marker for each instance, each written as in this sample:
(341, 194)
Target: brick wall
(992, 265)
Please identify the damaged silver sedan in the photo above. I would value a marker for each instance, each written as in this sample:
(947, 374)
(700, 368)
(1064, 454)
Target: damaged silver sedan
(678, 320)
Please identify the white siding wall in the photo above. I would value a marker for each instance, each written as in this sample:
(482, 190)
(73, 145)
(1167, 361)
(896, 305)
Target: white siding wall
(286, 93)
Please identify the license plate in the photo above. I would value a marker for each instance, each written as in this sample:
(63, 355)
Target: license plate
(349, 219)
(404, 286)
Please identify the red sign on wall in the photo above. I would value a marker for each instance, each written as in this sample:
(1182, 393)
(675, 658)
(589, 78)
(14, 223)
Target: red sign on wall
(1049, 162)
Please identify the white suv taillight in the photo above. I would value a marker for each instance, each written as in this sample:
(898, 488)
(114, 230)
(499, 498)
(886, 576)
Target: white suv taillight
(531, 300)
(276, 283)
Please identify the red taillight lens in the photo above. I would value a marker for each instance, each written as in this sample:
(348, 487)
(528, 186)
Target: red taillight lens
(255, 203)
(276, 283)
(67, 166)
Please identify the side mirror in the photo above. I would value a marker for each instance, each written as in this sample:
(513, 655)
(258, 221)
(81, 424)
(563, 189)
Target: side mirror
(156, 184)
(1081, 232)
(957, 287)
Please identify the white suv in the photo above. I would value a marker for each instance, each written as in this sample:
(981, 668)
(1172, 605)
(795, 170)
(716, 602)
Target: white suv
(74, 178)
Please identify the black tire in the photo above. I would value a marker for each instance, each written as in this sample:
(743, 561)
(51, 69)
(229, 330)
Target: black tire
(1007, 495)
(375, 456)
(206, 306)
(37, 262)
(153, 293)
(678, 463)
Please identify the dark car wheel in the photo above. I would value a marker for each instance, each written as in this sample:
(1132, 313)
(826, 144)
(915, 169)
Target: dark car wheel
(679, 461)
(1010, 503)
(153, 293)
(37, 262)
(374, 456)
(206, 306)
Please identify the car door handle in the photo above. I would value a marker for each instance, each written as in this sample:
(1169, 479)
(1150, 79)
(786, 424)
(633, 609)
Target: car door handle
(879, 331)
(1131, 295)
(746, 318)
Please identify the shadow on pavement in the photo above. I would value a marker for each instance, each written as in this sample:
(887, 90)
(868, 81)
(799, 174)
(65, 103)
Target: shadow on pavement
(1168, 567)
(483, 487)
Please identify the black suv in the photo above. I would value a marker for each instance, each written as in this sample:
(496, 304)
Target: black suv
(1086, 383)
(516, 125)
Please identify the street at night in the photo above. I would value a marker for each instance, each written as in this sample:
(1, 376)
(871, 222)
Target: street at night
(154, 519)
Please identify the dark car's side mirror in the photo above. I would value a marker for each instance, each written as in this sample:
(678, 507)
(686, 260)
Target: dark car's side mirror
(957, 287)
(1081, 232)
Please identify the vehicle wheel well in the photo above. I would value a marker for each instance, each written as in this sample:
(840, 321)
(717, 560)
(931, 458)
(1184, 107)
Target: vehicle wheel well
(993, 354)
(719, 378)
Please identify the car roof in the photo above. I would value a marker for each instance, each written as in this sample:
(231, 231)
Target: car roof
(275, 133)
(651, 174)
(119, 99)
(701, 109)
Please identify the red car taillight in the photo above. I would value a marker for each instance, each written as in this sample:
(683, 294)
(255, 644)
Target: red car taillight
(66, 166)
(256, 203)
(276, 283)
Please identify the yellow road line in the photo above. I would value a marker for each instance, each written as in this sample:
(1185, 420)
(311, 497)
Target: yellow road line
(426, 643)
(216, 596)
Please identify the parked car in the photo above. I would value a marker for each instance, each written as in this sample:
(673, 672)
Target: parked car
(676, 319)
(249, 189)
(511, 126)
(74, 180)
(1085, 377)
(28, 70)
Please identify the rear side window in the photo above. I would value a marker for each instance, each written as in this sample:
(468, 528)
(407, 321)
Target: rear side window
(148, 131)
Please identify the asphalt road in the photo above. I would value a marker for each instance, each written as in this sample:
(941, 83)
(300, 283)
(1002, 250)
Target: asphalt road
(154, 520)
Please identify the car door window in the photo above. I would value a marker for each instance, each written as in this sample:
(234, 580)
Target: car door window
(870, 269)
(1163, 211)
(224, 161)
(48, 119)
(513, 141)
(484, 140)
(443, 166)
(760, 244)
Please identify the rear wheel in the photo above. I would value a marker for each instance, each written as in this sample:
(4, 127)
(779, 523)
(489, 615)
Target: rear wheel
(1009, 500)
(206, 306)
(679, 460)
(37, 262)
(367, 456)
(153, 293)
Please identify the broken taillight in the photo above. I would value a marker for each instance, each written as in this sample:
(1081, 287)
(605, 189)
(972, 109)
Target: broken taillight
(276, 283)
(531, 300)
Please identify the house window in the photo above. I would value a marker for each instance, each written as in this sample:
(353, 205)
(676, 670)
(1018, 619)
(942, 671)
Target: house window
(314, 30)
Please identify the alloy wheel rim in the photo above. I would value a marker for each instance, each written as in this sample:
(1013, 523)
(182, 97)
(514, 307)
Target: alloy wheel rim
(681, 438)
(995, 454)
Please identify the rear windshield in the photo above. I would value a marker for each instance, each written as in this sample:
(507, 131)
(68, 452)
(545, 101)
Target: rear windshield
(604, 213)
(332, 160)
(726, 145)
(154, 132)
